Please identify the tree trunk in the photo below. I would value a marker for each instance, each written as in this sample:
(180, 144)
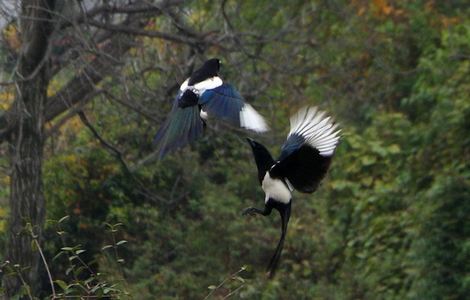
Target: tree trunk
(27, 206)
(26, 193)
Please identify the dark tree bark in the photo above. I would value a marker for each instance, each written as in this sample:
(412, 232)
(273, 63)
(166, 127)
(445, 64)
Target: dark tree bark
(26, 144)
(22, 126)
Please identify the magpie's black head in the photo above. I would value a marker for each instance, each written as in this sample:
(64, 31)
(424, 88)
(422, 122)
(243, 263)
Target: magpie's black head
(263, 158)
(212, 66)
(209, 69)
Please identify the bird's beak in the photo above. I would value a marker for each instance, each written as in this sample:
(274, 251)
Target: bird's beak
(251, 142)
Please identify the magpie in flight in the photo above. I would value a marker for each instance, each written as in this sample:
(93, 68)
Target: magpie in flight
(305, 158)
(201, 96)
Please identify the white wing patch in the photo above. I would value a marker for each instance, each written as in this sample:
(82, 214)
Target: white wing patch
(251, 119)
(201, 87)
(318, 130)
(184, 86)
(207, 84)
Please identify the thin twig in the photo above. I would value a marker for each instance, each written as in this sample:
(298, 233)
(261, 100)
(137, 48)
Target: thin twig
(234, 291)
(54, 296)
(71, 113)
(27, 287)
(148, 33)
(110, 147)
(223, 282)
(118, 154)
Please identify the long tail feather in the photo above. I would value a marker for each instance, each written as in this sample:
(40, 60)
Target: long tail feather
(285, 215)
(181, 128)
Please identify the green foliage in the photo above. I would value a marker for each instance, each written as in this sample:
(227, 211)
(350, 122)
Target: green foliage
(389, 222)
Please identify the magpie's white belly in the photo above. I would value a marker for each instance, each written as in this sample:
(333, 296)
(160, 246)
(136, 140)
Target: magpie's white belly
(275, 189)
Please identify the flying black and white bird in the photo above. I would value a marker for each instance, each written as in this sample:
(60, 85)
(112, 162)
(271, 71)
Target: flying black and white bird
(201, 96)
(304, 161)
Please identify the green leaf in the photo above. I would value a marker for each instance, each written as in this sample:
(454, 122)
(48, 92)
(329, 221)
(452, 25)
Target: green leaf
(79, 270)
(63, 219)
(394, 149)
(62, 284)
(106, 247)
(34, 246)
(121, 242)
(57, 255)
(69, 269)
(95, 288)
(71, 258)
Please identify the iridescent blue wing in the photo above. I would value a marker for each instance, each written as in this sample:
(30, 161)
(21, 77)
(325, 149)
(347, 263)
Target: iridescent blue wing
(224, 102)
(182, 127)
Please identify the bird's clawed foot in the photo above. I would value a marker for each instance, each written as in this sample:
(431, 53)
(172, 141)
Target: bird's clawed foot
(250, 211)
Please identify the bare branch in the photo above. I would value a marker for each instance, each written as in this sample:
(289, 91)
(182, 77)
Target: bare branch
(137, 31)
(130, 106)
(143, 190)
(107, 145)
(72, 112)
(104, 63)
(135, 8)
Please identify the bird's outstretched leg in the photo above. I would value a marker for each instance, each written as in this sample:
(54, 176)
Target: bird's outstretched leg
(253, 210)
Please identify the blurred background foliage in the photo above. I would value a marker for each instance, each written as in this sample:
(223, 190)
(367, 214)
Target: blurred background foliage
(391, 221)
